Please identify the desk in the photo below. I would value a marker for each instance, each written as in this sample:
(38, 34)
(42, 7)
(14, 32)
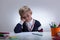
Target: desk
(30, 36)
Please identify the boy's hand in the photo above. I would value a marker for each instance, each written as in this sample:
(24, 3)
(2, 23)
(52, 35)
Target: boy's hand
(22, 21)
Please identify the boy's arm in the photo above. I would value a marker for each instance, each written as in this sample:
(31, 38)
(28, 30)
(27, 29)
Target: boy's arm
(18, 28)
(40, 29)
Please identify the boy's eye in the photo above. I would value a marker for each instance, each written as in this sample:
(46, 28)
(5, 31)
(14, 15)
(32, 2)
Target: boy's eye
(24, 17)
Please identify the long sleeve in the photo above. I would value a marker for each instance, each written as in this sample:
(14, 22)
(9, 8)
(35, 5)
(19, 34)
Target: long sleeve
(40, 29)
(18, 28)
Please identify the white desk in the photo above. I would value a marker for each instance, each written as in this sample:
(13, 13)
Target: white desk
(30, 36)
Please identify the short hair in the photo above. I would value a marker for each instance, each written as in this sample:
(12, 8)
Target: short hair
(24, 9)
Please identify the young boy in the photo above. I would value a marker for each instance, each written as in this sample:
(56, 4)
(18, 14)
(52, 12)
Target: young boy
(27, 23)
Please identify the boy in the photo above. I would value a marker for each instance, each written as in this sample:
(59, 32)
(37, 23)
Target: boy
(27, 23)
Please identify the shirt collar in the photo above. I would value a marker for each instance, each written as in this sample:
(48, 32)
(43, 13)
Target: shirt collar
(31, 22)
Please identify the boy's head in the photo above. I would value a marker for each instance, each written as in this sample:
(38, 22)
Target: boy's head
(25, 13)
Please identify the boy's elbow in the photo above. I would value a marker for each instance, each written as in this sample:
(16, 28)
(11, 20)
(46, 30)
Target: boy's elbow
(17, 31)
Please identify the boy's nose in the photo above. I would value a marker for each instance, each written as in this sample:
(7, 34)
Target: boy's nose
(26, 18)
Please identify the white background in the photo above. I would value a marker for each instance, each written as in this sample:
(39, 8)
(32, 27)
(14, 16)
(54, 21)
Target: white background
(45, 11)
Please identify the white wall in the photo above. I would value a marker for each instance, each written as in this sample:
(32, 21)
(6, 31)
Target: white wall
(43, 10)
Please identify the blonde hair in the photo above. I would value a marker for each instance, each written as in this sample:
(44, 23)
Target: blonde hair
(24, 9)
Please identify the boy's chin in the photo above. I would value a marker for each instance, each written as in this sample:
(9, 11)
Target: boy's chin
(28, 20)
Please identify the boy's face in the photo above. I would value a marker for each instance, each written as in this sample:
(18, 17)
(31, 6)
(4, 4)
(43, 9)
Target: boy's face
(27, 16)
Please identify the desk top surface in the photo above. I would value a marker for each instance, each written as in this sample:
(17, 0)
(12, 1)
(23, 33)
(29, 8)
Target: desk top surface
(30, 36)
